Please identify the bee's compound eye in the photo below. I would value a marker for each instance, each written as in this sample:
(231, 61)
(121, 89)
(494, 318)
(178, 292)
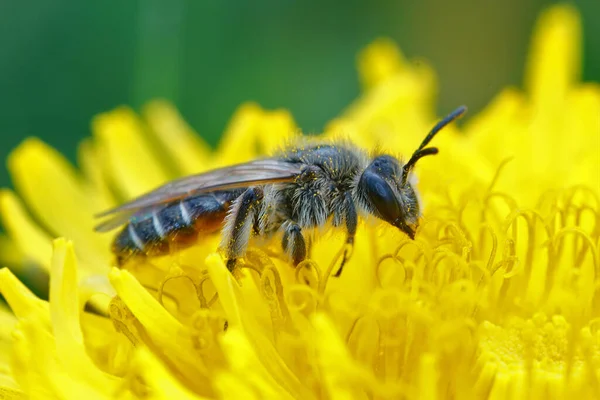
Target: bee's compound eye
(381, 196)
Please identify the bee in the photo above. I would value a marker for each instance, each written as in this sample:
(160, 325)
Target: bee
(303, 187)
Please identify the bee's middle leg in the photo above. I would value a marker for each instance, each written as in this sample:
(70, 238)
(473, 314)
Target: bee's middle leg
(293, 242)
(239, 224)
(351, 218)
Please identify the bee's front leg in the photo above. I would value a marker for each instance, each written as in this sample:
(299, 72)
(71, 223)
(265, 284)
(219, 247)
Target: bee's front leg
(351, 218)
(239, 223)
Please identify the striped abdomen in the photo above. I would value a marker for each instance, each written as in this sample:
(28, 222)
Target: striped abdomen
(176, 223)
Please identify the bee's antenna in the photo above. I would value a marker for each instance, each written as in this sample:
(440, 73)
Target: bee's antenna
(421, 150)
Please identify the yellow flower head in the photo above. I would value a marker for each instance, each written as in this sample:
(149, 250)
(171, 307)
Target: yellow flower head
(498, 296)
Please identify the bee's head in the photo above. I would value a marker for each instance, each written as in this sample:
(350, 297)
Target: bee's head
(384, 188)
(384, 194)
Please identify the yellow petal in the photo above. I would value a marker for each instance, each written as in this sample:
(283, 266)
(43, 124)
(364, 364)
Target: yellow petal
(10, 253)
(339, 374)
(130, 162)
(428, 378)
(41, 368)
(253, 132)
(8, 393)
(7, 324)
(20, 299)
(358, 281)
(109, 350)
(487, 128)
(161, 384)
(27, 236)
(554, 59)
(178, 141)
(8, 386)
(581, 136)
(237, 143)
(248, 370)
(97, 187)
(162, 325)
(64, 311)
(378, 62)
(393, 116)
(38, 369)
(231, 387)
(64, 298)
(35, 363)
(164, 333)
(342, 378)
(29, 379)
(276, 128)
(233, 302)
(51, 188)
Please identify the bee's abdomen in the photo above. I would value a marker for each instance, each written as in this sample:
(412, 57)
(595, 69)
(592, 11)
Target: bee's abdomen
(176, 224)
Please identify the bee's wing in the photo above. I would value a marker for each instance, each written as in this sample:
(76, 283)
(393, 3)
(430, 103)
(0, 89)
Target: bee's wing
(257, 172)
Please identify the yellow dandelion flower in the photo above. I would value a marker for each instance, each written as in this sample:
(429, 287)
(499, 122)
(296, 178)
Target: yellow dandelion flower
(498, 296)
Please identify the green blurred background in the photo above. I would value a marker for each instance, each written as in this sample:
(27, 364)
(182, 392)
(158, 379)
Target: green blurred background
(63, 61)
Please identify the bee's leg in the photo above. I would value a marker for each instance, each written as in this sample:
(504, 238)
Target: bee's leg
(239, 224)
(293, 242)
(351, 219)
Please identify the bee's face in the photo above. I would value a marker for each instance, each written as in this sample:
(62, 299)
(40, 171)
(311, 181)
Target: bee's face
(383, 194)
